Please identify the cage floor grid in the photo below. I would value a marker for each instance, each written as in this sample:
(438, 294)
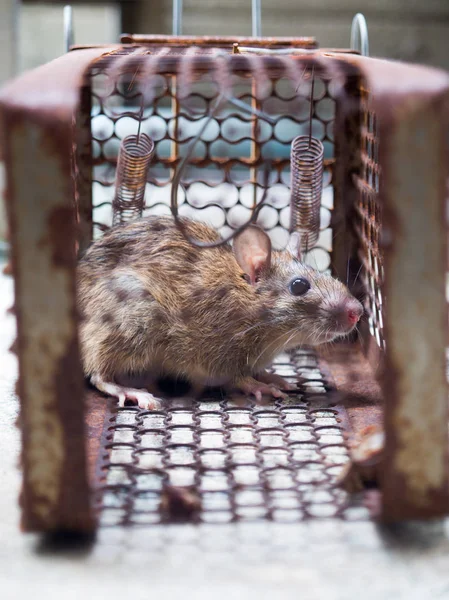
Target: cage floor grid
(230, 459)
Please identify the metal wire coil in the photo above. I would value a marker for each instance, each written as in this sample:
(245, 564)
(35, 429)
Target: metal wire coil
(306, 186)
(136, 152)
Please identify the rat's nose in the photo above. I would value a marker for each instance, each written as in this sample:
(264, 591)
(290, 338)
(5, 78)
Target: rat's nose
(347, 313)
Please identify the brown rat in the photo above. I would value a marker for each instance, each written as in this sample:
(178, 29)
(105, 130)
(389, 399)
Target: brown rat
(154, 304)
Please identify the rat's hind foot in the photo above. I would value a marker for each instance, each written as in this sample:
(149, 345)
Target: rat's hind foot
(142, 398)
(252, 387)
(275, 380)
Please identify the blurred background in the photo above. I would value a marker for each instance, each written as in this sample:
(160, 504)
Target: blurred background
(31, 31)
(413, 30)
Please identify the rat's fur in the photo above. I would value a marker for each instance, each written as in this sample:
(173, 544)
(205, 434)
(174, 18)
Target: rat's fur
(152, 302)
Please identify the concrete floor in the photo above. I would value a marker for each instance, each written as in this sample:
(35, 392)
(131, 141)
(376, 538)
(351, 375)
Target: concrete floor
(319, 559)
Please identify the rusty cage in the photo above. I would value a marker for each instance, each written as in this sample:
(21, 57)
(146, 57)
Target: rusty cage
(383, 126)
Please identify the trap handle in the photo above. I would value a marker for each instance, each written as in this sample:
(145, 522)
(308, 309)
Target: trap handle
(256, 14)
(359, 35)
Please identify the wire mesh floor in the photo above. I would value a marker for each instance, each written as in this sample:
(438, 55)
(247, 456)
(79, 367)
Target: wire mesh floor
(230, 459)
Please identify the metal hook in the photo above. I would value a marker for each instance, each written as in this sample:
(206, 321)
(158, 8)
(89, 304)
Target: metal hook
(69, 36)
(359, 35)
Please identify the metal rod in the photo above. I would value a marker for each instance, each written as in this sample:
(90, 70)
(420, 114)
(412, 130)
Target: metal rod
(13, 37)
(312, 88)
(255, 147)
(359, 35)
(174, 146)
(177, 17)
(275, 51)
(256, 18)
(69, 36)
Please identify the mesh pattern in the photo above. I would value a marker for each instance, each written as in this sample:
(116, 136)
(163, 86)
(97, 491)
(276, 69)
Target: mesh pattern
(224, 178)
(242, 460)
(368, 222)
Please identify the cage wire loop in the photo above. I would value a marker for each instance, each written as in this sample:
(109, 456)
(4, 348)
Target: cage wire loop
(359, 35)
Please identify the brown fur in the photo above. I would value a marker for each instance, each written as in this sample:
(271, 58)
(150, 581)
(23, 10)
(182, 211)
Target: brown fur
(154, 303)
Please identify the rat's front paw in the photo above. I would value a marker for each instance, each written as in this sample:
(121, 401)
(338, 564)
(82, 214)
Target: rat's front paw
(252, 387)
(275, 380)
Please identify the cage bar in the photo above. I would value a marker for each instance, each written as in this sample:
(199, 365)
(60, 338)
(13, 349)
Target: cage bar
(38, 148)
(414, 158)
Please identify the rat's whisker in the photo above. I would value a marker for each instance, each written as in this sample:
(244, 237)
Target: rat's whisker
(358, 273)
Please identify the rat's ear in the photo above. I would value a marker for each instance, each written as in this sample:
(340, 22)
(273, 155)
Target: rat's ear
(252, 249)
(294, 245)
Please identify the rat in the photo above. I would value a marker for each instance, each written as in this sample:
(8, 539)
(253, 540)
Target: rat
(152, 305)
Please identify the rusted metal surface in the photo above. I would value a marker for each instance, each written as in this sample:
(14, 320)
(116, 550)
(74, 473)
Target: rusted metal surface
(36, 119)
(366, 457)
(223, 459)
(220, 41)
(415, 159)
(412, 125)
(83, 168)
(358, 389)
(367, 227)
(97, 412)
(347, 153)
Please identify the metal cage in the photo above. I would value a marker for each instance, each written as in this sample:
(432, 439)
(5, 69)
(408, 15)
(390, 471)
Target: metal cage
(383, 126)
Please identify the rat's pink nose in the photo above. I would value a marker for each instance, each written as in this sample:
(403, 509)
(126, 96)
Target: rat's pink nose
(348, 313)
(353, 316)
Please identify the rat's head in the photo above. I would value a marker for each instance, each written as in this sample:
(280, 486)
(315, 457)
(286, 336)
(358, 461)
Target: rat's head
(308, 306)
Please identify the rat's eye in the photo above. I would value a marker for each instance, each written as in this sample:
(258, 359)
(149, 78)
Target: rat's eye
(299, 286)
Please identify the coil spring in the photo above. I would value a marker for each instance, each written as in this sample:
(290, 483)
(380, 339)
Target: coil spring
(133, 163)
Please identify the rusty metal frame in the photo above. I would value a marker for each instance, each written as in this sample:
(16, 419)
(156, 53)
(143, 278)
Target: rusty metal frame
(413, 126)
(37, 112)
(415, 159)
(216, 41)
